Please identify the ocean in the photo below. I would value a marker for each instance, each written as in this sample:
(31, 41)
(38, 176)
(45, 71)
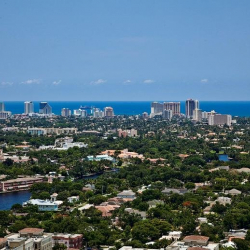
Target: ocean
(234, 108)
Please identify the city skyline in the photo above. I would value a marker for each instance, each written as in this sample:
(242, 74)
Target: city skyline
(125, 50)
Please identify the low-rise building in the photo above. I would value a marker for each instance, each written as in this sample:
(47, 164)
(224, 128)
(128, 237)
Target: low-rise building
(43, 205)
(73, 199)
(100, 158)
(128, 194)
(69, 240)
(169, 191)
(19, 183)
(233, 192)
(193, 242)
(29, 239)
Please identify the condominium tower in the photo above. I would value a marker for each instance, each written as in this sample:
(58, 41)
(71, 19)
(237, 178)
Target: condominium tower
(2, 107)
(174, 106)
(191, 105)
(108, 112)
(28, 107)
(45, 108)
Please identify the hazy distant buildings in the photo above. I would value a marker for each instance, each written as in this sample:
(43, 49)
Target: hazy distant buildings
(156, 108)
(80, 112)
(65, 112)
(145, 115)
(28, 107)
(127, 133)
(205, 114)
(97, 113)
(218, 119)
(175, 107)
(108, 112)
(166, 109)
(191, 105)
(167, 114)
(2, 106)
(45, 108)
(197, 115)
(5, 114)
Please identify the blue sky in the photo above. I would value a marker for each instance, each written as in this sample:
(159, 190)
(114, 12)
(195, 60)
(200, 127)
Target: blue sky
(124, 50)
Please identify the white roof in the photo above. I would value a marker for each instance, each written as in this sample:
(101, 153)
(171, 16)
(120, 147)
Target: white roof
(41, 202)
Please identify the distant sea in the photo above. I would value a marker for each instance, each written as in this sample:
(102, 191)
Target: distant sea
(234, 108)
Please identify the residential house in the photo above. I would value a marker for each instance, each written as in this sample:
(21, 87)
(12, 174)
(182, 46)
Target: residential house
(128, 194)
(43, 205)
(233, 192)
(169, 191)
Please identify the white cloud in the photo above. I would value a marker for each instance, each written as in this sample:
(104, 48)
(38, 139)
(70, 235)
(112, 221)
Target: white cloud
(32, 81)
(6, 83)
(98, 82)
(204, 80)
(148, 81)
(127, 82)
(56, 82)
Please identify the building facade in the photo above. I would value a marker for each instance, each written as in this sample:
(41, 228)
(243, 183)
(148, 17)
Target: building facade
(174, 106)
(2, 106)
(65, 112)
(45, 108)
(28, 107)
(191, 105)
(69, 240)
(217, 119)
(19, 183)
(108, 112)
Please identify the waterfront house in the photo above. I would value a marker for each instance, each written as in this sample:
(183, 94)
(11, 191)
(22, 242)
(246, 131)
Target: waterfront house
(43, 205)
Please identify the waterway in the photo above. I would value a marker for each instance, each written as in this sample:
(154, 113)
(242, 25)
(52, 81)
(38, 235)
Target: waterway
(9, 199)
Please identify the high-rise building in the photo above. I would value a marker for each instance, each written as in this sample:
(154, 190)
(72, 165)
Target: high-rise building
(156, 108)
(5, 114)
(191, 105)
(65, 112)
(205, 114)
(2, 106)
(97, 113)
(108, 112)
(218, 119)
(28, 107)
(45, 108)
(80, 112)
(174, 106)
(167, 114)
(197, 115)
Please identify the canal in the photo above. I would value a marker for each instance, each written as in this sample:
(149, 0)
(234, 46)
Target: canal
(9, 199)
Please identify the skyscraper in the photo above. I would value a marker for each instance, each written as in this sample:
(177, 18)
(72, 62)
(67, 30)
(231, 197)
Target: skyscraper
(197, 115)
(28, 107)
(45, 108)
(156, 108)
(174, 106)
(2, 106)
(191, 105)
(108, 112)
(167, 114)
(65, 112)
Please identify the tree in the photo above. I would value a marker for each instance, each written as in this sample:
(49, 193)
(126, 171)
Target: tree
(145, 231)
